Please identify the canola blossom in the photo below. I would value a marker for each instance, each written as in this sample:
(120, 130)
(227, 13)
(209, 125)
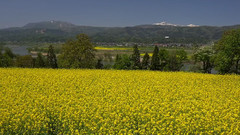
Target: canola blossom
(150, 54)
(48, 101)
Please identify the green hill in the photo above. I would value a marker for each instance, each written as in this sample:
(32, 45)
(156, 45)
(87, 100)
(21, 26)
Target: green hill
(57, 31)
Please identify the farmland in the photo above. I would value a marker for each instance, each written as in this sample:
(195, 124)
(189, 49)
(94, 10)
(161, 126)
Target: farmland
(38, 101)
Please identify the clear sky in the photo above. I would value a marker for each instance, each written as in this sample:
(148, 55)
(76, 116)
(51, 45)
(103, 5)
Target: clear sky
(120, 12)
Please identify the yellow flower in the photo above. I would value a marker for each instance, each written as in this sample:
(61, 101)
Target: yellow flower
(45, 101)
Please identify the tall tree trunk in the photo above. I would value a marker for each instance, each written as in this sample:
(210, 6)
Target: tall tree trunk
(204, 67)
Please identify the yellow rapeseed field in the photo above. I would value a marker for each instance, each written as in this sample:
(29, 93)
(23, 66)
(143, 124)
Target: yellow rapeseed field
(150, 54)
(39, 101)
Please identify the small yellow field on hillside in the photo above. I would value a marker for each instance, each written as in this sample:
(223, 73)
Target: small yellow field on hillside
(111, 48)
(35, 101)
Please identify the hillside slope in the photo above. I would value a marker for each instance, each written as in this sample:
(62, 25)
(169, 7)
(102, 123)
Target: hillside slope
(55, 31)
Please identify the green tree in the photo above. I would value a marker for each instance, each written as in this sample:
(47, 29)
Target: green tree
(39, 62)
(181, 54)
(117, 62)
(155, 62)
(173, 62)
(176, 59)
(8, 52)
(78, 53)
(227, 49)
(1, 59)
(145, 61)
(7, 58)
(51, 58)
(25, 61)
(99, 64)
(118, 58)
(205, 56)
(122, 62)
(163, 56)
(136, 64)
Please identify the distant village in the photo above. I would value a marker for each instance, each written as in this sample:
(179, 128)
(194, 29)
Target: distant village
(144, 44)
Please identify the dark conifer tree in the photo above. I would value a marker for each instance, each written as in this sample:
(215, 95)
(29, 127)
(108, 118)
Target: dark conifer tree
(51, 58)
(1, 59)
(155, 63)
(136, 64)
(39, 62)
(163, 57)
(145, 61)
(118, 58)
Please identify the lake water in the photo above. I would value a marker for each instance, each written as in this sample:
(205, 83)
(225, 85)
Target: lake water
(20, 50)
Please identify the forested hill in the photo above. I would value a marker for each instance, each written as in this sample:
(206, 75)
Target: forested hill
(55, 31)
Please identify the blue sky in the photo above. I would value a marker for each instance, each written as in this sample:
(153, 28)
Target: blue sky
(120, 12)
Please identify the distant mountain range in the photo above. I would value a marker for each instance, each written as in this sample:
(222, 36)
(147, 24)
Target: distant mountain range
(58, 31)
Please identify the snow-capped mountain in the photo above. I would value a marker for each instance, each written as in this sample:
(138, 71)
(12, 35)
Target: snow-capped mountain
(192, 25)
(165, 24)
(170, 24)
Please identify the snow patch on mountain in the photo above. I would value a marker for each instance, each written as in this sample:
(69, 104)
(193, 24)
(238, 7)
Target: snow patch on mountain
(170, 24)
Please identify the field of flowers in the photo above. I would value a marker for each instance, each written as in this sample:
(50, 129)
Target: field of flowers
(39, 101)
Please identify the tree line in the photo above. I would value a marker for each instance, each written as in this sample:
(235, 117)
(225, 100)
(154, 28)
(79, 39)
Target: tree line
(80, 53)
(161, 60)
(224, 56)
(9, 59)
